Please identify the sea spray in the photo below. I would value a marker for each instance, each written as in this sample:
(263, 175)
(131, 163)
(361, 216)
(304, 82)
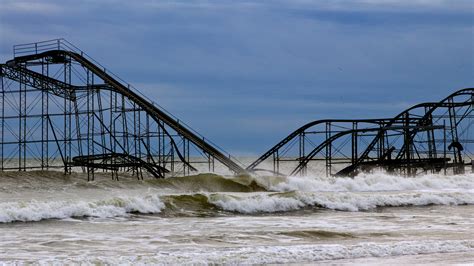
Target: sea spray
(342, 201)
(35, 210)
(370, 182)
(209, 194)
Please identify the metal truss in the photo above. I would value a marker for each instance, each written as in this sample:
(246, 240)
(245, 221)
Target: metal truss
(62, 109)
(428, 137)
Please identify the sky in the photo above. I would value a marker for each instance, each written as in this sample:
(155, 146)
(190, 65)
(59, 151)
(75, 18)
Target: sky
(246, 73)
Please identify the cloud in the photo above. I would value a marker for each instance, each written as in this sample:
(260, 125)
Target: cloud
(382, 5)
(257, 69)
(30, 7)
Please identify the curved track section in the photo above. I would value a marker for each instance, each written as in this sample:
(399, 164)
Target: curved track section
(115, 161)
(427, 137)
(455, 113)
(309, 128)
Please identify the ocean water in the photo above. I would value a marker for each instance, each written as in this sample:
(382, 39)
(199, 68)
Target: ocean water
(48, 217)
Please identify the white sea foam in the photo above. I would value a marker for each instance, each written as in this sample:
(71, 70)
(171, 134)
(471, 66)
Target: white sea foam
(345, 201)
(279, 254)
(363, 192)
(375, 182)
(34, 210)
(309, 253)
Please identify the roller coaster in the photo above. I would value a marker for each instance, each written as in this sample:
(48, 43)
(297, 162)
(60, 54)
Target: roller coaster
(58, 102)
(425, 138)
(61, 109)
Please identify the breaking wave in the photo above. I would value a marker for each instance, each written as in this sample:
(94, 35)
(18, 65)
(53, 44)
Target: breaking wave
(209, 194)
(342, 201)
(39, 210)
(371, 182)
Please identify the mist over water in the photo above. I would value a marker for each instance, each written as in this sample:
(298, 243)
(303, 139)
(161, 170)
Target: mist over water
(234, 219)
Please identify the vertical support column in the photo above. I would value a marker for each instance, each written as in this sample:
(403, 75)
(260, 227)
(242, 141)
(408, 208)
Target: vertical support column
(355, 152)
(135, 136)
(430, 137)
(208, 161)
(88, 135)
(149, 155)
(135, 127)
(139, 134)
(328, 150)
(78, 129)
(458, 161)
(69, 111)
(125, 127)
(22, 126)
(24, 105)
(184, 156)
(158, 130)
(113, 104)
(102, 121)
(90, 123)
(113, 128)
(172, 160)
(44, 120)
(213, 164)
(2, 102)
(92, 118)
(19, 122)
(274, 161)
(444, 146)
(163, 144)
(65, 128)
(278, 161)
(302, 152)
(407, 142)
(381, 144)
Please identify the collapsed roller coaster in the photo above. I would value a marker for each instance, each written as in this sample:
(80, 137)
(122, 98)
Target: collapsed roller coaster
(60, 109)
(425, 138)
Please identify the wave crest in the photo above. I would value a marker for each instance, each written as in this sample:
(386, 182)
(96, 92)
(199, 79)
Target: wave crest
(371, 182)
(39, 210)
(343, 201)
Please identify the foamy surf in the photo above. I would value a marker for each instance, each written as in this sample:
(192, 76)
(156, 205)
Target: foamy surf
(370, 182)
(35, 210)
(342, 201)
(309, 253)
(280, 253)
(245, 195)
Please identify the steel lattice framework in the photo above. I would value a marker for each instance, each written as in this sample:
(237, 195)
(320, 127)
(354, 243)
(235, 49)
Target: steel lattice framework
(62, 109)
(427, 137)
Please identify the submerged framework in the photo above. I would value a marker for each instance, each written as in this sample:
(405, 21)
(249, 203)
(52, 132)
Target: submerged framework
(426, 138)
(60, 109)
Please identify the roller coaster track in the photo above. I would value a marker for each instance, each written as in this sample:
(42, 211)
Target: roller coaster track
(16, 70)
(445, 103)
(113, 161)
(330, 140)
(61, 108)
(303, 128)
(407, 124)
